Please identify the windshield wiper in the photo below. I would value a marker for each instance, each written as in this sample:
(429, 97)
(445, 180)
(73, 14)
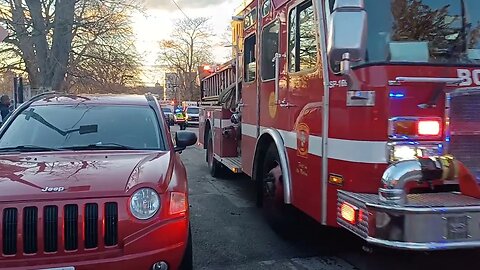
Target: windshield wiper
(29, 148)
(100, 146)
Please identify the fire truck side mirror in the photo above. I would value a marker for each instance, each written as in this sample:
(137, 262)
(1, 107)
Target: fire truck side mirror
(347, 34)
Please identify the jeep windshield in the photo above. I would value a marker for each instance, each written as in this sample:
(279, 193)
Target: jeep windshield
(443, 32)
(83, 127)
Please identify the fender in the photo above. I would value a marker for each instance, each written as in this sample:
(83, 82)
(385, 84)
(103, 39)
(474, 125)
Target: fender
(282, 153)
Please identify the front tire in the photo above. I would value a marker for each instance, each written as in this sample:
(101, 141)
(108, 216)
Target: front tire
(270, 194)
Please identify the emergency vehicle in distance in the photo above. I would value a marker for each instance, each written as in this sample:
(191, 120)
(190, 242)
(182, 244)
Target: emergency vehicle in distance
(346, 111)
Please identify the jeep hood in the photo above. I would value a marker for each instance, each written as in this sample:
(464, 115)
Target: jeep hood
(80, 174)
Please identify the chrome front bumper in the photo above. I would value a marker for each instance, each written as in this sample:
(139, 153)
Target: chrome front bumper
(436, 221)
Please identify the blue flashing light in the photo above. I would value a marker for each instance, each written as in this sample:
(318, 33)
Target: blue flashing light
(397, 95)
(447, 138)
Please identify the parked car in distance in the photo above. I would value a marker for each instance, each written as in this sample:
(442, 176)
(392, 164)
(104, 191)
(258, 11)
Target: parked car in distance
(93, 182)
(192, 114)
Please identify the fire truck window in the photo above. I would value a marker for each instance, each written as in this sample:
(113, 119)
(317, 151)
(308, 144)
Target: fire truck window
(249, 59)
(307, 42)
(443, 31)
(302, 43)
(269, 49)
(292, 63)
(266, 7)
(251, 18)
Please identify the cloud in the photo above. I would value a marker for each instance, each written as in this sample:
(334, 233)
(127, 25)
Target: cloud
(184, 4)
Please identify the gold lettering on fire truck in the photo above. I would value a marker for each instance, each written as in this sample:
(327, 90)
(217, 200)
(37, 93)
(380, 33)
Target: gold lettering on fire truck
(272, 105)
(302, 169)
(303, 136)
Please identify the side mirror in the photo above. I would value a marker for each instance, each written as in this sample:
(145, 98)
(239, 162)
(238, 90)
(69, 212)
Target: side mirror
(347, 34)
(184, 139)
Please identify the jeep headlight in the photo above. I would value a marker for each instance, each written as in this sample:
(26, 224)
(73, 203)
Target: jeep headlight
(144, 203)
(408, 151)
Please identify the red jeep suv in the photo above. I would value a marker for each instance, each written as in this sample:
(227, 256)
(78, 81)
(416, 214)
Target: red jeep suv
(93, 182)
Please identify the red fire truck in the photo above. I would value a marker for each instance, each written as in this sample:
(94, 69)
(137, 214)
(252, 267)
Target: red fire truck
(363, 114)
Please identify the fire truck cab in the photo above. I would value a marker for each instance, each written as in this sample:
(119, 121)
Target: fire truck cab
(352, 113)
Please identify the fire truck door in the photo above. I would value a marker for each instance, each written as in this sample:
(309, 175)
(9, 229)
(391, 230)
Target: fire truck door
(273, 84)
(250, 103)
(304, 99)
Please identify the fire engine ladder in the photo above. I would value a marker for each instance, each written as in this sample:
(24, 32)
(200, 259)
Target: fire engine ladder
(219, 89)
(219, 85)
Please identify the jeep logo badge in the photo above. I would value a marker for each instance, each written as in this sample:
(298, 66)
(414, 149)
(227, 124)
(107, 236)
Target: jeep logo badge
(53, 189)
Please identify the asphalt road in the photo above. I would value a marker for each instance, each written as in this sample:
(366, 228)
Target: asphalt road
(229, 232)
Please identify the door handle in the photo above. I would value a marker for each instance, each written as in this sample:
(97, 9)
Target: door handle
(276, 60)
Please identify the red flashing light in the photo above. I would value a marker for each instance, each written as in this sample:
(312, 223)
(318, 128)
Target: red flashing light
(422, 127)
(428, 128)
(349, 213)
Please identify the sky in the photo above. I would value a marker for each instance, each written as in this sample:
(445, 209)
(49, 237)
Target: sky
(157, 21)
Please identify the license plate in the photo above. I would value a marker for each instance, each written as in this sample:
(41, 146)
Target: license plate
(60, 268)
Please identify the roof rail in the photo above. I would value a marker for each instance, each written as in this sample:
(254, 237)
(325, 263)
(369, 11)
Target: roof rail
(39, 96)
(29, 102)
(149, 96)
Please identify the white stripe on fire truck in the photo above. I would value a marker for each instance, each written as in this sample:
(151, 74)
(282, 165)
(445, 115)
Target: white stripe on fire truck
(249, 130)
(216, 123)
(357, 151)
(345, 150)
(221, 123)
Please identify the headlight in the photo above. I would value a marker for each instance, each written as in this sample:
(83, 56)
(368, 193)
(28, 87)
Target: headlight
(408, 151)
(144, 203)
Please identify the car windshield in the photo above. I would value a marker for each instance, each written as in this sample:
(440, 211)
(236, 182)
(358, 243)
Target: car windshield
(68, 126)
(166, 110)
(193, 110)
(423, 31)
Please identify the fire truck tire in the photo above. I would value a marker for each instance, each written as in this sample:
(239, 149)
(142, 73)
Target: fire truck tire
(216, 169)
(187, 261)
(280, 216)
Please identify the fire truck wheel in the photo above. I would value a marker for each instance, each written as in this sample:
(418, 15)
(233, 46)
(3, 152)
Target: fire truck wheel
(214, 166)
(277, 213)
(187, 261)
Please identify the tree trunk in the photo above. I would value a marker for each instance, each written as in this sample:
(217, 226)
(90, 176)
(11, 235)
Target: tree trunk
(62, 42)
(39, 39)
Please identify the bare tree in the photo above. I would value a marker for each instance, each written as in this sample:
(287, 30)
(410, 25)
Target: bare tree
(42, 33)
(188, 48)
(104, 57)
(52, 38)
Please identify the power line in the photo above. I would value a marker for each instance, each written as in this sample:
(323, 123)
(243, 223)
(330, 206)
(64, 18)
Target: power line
(181, 10)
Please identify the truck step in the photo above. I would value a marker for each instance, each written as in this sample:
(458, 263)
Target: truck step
(232, 163)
